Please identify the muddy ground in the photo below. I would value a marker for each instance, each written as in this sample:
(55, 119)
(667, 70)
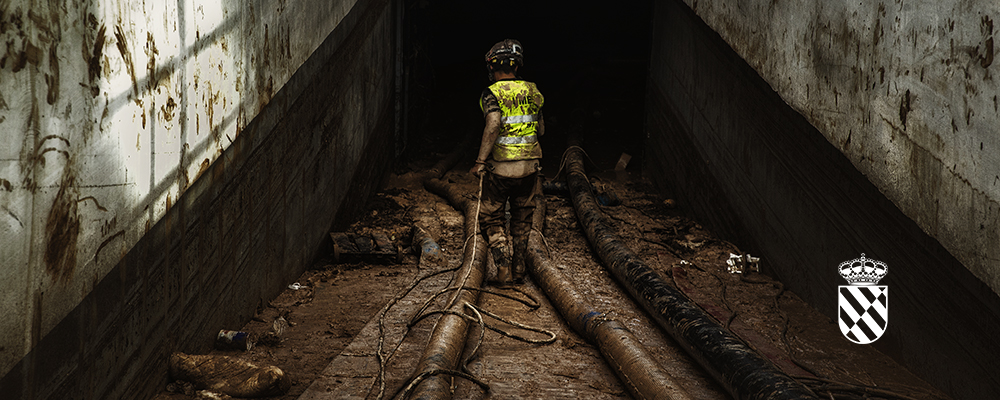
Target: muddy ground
(336, 301)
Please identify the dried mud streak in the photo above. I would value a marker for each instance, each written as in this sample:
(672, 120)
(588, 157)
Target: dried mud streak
(94, 63)
(744, 373)
(52, 78)
(122, 44)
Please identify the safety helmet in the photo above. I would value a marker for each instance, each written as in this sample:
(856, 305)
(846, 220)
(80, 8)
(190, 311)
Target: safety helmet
(508, 52)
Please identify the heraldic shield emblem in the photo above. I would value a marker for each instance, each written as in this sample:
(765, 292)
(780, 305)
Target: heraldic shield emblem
(863, 306)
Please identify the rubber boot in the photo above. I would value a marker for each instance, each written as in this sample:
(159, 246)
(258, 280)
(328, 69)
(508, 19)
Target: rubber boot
(520, 255)
(501, 257)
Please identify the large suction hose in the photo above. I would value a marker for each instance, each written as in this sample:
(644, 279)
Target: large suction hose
(627, 356)
(744, 373)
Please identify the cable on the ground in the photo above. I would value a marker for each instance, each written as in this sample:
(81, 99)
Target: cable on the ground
(531, 302)
(382, 360)
(478, 314)
(551, 335)
(562, 162)
(427, 374)
(475, 234)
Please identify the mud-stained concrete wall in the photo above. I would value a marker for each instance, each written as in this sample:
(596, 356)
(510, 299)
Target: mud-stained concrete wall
(812, 132)
(905, 89)
(166, 167)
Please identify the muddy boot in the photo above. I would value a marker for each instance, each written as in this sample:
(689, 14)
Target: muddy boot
(501, 257)
(520, 258)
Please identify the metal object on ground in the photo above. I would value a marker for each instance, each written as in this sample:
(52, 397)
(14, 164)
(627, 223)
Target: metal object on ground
(233, 340)
(743, 372)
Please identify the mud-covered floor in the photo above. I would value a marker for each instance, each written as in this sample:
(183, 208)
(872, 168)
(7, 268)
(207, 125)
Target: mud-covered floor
(335, 316)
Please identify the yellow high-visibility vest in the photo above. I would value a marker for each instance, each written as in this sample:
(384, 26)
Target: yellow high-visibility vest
(520, 108)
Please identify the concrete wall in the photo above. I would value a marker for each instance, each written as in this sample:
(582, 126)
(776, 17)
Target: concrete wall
(166, 167)
(905, 89)
(811, 132)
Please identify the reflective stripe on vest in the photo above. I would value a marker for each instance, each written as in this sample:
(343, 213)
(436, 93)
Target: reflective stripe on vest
(519, 119)
(520, 103)
(517, 139)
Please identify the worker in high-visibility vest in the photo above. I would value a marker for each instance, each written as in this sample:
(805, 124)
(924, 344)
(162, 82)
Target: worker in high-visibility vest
(509, 156)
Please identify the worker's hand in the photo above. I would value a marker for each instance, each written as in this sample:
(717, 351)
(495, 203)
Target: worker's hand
(478, 169)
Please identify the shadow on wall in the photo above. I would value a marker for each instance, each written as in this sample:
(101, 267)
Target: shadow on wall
(131, 262)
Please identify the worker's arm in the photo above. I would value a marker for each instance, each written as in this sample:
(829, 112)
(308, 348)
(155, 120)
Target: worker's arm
(490, 133)
(541, 124)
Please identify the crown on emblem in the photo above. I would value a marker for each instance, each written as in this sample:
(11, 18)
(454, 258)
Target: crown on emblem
(863, 271)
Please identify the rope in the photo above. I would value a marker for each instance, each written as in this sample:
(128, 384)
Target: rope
(475, 234)
(533, 304)
(550, 339)
(382, 360)
(427, 374)
(562, 162)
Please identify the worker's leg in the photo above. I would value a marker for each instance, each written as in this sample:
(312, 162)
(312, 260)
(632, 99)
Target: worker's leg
(491, 223)
(522, 207)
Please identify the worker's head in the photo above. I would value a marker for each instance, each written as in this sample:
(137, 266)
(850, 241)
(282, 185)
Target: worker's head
(504, 57)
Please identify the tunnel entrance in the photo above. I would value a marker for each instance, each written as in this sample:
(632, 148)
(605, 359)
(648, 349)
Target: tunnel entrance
(589, 61)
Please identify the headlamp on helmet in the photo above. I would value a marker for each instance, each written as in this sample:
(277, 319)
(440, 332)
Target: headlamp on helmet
(507, 53)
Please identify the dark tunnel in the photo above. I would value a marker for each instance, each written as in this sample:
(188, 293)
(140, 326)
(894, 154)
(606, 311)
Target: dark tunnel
(588, 60)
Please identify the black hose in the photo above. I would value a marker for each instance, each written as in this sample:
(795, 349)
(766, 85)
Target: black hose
(636, 368)
(743, 372)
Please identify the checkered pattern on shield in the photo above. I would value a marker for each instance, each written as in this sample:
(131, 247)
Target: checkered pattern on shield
(863, 312)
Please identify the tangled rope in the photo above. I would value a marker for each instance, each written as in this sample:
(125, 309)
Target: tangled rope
(476, 314)
(382, 360)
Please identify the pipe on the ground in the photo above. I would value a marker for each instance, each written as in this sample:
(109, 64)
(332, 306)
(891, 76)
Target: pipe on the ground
(743, 372)
(447, 341)
(627, 356)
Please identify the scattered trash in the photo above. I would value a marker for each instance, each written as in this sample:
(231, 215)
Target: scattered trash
(685, 262)
(424, 244)
(273, 337)
(233, 340)
(228, 375)
(297, 286)
(739, 264)
(623, 162)
(375, 249)
(210, 395)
